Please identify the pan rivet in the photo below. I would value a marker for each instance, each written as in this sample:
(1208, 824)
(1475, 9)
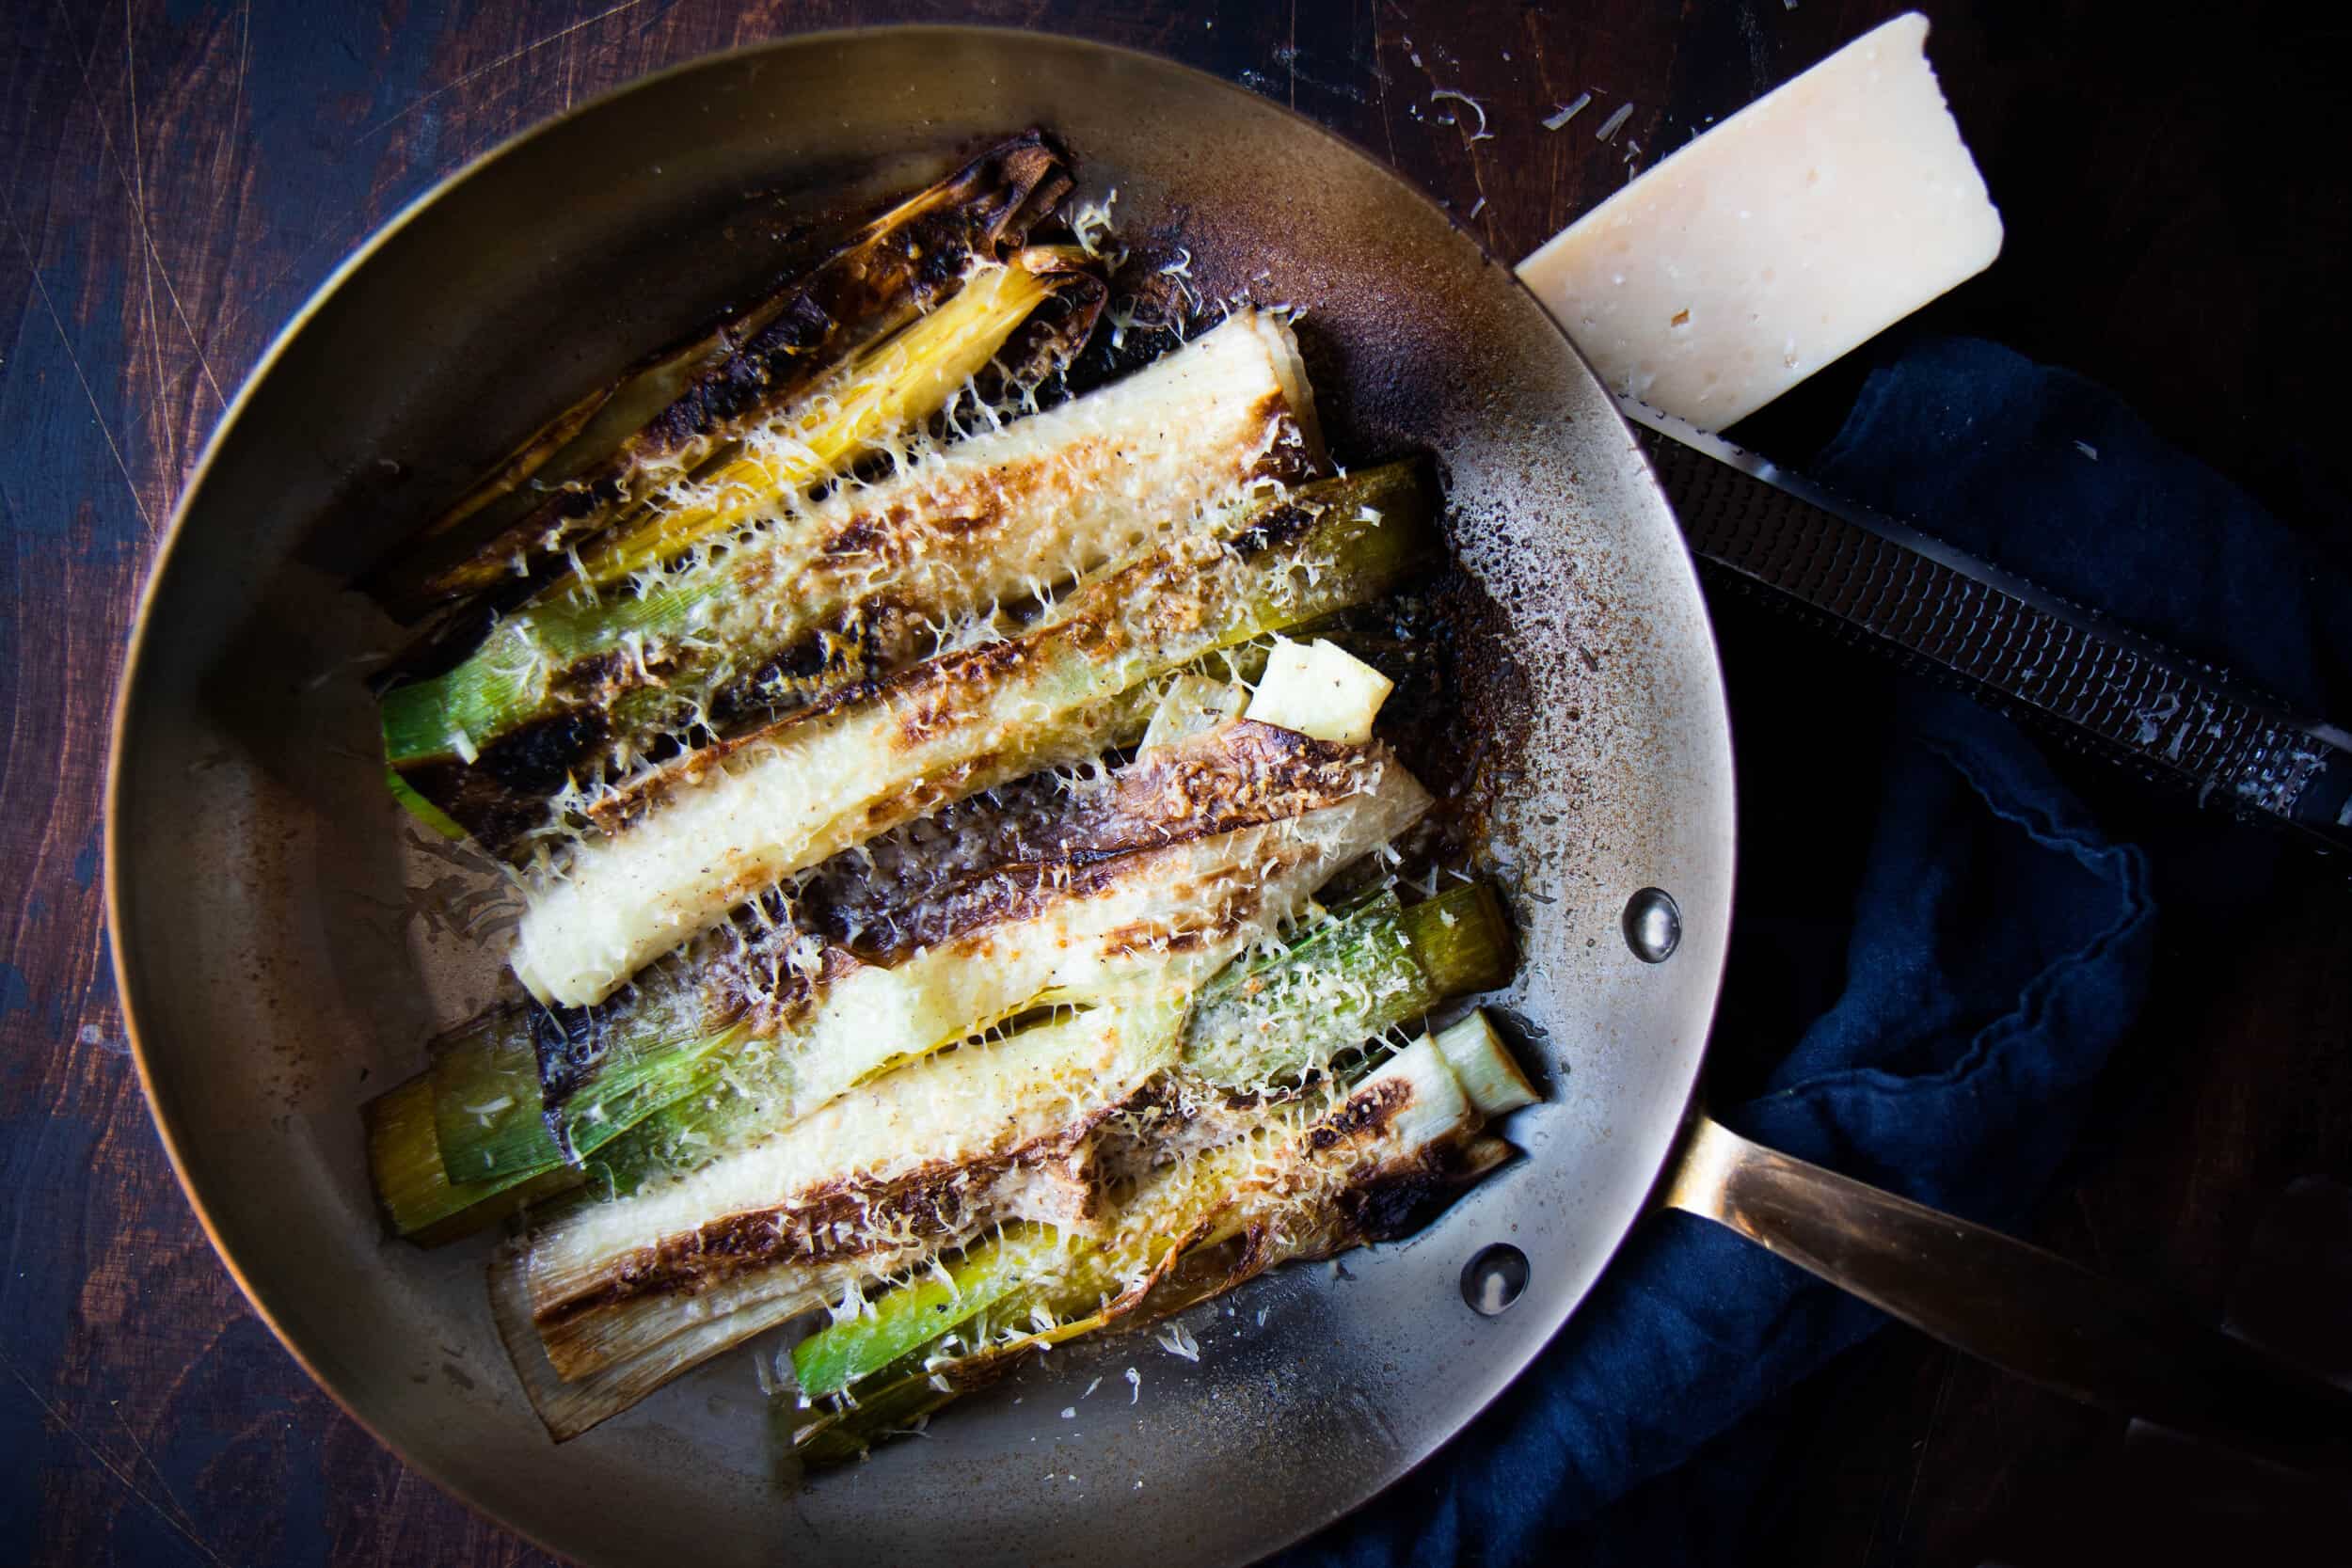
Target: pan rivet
(1653, 926)
(1493, 1279)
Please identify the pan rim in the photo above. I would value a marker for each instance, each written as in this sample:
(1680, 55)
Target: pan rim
(117, 894)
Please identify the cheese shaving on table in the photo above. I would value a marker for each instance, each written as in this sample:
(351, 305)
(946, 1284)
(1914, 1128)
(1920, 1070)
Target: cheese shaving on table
(1481, 133)
(1567, 112)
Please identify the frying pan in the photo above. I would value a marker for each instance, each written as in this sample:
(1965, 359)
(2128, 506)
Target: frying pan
(276, 966)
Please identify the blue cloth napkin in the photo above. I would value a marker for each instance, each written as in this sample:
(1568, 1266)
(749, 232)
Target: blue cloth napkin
(1945, 943)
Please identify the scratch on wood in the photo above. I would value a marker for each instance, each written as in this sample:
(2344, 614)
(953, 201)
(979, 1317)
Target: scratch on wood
(1919, 1451)
(1388, 132)
(1478, 183)
(508, 58)
(131, 1435)
(32, 270)
(106, 1462)
(235, 116)
(137, 192)
(1293, 53)
(147, 235)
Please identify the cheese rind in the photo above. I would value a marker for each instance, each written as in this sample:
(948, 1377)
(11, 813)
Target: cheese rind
(1799, 228)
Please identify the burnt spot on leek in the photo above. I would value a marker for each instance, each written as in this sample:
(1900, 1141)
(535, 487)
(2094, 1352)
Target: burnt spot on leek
(667, 416)
(501, 796)
(525, 1088)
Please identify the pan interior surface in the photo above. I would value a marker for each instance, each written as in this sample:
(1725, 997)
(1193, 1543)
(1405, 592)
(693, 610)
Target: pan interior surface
(284, 940)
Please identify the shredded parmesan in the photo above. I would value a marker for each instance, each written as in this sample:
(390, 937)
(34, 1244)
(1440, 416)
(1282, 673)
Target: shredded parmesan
(1090, 226)
(1481, 133)
(1567, 112)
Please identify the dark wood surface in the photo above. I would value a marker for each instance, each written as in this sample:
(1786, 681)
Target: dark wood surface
(178, 177)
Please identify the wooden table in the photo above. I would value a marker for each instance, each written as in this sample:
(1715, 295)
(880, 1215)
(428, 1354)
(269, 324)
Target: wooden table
(178, 177)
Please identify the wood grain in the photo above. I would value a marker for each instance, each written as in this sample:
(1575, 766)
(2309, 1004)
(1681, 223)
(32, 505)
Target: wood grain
(175, 179)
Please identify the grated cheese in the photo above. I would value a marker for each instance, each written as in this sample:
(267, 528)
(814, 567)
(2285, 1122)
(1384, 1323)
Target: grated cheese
(1481, 133)
(1567, 112)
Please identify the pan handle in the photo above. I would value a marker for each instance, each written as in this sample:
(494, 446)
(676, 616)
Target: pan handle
(2023, 1310)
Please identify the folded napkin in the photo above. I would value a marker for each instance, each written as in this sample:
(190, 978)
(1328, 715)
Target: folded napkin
(1936, 949)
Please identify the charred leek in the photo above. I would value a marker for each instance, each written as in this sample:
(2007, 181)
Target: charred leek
(931, 1306)
(620, 1347)
(1271, 1021)
(882, 392)
(1181, 914)
(1305, 1180)
(521, 1089)
(1089, 899)
(1272, 1025)
(662, 421)
(1254, 1024)
(694, 840)
(413, 1188)
(878, 575)
(987, 1133)
(1098, 909)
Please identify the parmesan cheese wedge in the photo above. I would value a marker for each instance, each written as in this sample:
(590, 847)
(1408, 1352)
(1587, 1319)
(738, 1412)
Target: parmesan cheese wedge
(1802, 225)
(1321, 691)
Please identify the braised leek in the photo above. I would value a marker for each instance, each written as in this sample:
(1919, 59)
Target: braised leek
(867, 972)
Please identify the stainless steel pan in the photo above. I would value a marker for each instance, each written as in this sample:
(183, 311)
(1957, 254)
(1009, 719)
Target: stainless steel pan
(277, 968)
